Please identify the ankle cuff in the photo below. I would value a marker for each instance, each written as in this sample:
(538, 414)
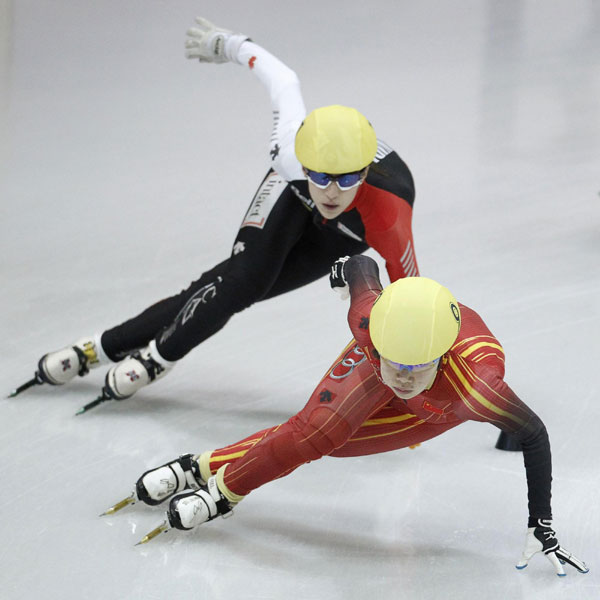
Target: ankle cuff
(92, 351)
(204, 463)
(231, 496)
(102, 356)
(155, 354)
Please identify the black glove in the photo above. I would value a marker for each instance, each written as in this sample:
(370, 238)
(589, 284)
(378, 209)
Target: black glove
(542, 538)
(337, 278)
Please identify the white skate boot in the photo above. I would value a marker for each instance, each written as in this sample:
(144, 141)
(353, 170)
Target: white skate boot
(191, 509)
(59, 367)
(159, 484)
(134, 372)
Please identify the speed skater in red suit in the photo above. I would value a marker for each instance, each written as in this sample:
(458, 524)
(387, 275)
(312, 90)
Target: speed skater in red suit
(419, 364)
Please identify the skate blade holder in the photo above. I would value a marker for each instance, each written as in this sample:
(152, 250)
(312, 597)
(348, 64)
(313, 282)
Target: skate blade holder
(162, 528)
(131, 499)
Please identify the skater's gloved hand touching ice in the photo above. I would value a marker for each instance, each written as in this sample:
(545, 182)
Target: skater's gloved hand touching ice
(337, 278)
(542, 538)
(209, 43)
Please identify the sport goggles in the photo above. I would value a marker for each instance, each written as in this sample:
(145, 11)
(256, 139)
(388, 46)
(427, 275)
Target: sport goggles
(401, 367)
(345, 181)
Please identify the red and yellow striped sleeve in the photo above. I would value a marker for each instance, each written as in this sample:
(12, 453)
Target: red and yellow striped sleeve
(483, 394)
(483, 348)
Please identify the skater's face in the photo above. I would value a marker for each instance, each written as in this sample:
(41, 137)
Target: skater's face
(408, 381)
(331, 201)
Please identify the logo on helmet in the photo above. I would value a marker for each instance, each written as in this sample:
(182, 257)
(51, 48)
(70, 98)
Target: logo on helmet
(455, 312)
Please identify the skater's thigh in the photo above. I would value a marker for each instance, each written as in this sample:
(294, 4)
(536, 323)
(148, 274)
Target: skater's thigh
(390, 429)
(272, 226)
(312, 256)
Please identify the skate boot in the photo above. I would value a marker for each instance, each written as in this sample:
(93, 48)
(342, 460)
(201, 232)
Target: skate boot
(134, 372)
(190, 509)
(159, 484)
(57, 368)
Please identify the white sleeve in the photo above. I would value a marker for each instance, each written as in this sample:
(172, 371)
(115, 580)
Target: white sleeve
(287, 105)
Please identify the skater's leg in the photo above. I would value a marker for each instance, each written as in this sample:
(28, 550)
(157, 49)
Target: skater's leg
(138, 331)
(347, 415)
(274, 223)
(312, 257)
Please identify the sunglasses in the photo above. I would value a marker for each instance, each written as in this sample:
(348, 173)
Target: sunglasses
(345, 181)
(401, 367)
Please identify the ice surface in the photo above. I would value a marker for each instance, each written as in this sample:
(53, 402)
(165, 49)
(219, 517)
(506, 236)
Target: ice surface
(126, 171)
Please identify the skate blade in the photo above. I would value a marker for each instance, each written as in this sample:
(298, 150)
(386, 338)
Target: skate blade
(99, 400)
(119, 505)
(163, 527)
(35, 381)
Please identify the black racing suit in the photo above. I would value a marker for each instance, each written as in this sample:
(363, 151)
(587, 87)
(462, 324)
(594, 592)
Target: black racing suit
(283, 244)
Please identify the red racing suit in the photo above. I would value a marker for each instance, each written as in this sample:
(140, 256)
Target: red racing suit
(352, 413)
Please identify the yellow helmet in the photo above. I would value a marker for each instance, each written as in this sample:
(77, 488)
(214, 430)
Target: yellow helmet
(415, 320)
(335, 139)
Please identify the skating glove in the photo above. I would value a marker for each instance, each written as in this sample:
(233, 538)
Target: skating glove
(542, 538)
(337, 278)
(209, 43)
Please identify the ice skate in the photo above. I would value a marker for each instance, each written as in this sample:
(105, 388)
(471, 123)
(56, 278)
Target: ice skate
(59, 367)
(131, 374)
(161, 483)
(190, 509)
(134, 372)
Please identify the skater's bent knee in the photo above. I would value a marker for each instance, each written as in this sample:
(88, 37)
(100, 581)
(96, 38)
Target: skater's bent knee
(326, 430)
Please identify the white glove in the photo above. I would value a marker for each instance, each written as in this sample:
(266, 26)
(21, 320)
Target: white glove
(542, 538)
(337, 278)
(209, 43)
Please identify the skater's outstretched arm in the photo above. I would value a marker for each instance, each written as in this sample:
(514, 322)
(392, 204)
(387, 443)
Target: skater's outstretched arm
(209, 43)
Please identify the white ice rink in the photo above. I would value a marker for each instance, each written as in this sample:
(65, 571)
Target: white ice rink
(126, 170)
